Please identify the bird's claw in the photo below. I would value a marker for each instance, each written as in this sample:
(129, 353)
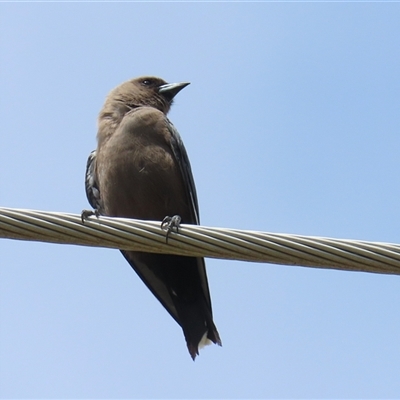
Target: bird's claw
(85, 214)
(171, 224)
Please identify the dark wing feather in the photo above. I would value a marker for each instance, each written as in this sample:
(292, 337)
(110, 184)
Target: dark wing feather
(183, 160)
(92, 190)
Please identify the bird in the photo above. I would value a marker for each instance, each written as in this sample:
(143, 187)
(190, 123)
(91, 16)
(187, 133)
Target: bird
(140, 169)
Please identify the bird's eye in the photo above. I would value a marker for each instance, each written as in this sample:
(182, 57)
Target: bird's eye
(146, 82)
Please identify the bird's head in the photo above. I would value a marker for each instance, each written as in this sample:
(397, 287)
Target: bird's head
(146, 91)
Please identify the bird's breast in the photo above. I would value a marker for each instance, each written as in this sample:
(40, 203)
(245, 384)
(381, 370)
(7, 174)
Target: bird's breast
(138, 174)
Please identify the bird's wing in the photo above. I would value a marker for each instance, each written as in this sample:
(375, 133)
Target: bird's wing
(182, 158)
(92, 190)
(184, 165)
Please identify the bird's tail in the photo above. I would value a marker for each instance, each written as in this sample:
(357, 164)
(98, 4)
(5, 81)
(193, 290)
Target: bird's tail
(197, 325)
(177, 284)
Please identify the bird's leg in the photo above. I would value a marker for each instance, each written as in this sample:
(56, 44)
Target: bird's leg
(85, 214)
(170, 224)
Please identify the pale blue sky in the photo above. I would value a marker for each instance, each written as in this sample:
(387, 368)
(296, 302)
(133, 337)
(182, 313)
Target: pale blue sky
(292, 125)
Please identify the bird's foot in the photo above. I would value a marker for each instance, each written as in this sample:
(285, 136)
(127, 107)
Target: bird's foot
(85, 214)
(171, 224)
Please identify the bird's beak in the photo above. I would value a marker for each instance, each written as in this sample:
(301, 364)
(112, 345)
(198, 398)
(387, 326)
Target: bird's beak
(170, 90)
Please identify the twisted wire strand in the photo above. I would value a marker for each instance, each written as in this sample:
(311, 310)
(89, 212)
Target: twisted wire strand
(193, 240)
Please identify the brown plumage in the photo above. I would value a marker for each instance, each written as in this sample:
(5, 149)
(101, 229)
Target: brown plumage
(141, 170)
